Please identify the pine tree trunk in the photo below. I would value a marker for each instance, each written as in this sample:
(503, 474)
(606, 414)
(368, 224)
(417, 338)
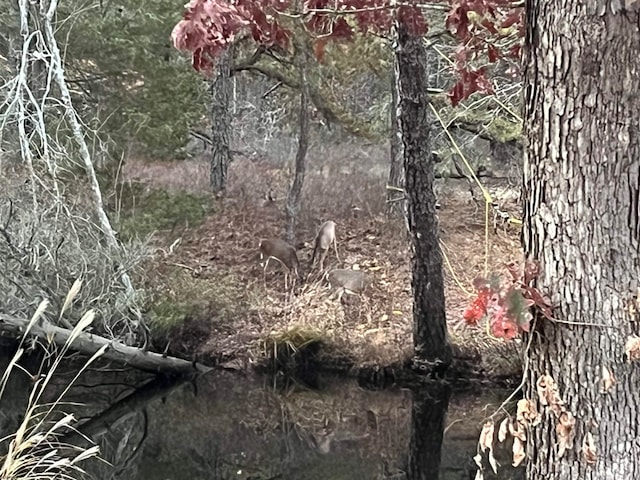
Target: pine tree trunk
(432, 349)
(582, 223)
(221, 89)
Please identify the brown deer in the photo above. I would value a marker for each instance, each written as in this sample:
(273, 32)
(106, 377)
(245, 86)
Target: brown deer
(344, 280)
(325, 237)
(282, 252)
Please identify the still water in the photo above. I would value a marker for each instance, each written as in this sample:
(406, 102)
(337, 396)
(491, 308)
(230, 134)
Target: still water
(228, 426)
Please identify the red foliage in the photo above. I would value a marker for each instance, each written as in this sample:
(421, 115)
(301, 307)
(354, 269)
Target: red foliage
(479, 24)
(207, 28)
(505, 300)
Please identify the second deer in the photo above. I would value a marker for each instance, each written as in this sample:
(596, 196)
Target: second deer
(325, 237)
(283, 253)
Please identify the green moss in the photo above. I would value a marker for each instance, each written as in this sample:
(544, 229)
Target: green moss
(160, 210)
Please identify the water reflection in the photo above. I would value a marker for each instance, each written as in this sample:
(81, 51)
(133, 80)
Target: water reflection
(224, 426)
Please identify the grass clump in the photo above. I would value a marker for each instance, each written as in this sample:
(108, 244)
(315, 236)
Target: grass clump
(161, 210)
(292, 345)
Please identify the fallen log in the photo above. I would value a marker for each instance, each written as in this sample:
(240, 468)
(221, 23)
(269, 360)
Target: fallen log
(89, 343)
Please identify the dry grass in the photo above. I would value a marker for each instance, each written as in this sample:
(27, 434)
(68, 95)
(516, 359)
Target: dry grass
(372, 329)
(37, 450)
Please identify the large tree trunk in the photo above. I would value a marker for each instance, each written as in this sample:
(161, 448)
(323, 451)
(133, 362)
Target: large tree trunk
(221, 122)
(432, 349)
(582, 223)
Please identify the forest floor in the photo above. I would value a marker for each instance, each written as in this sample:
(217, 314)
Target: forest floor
(205, 284)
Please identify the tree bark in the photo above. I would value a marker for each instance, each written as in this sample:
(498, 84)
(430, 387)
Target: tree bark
(221, 122)
(295, 192)
(430, 338)
(396, 203)
(88, 344)
(582, 223)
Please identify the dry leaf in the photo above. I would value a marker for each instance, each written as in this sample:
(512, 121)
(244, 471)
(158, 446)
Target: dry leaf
(589, 449)
(478, 460)
(565, 432)
(486, 436)
(549, 395)
(517, 430)
(608, 380)
(632, 348)
(479, 475)
(527, 413)
(503, 430)
(518, 452)
(493, 462)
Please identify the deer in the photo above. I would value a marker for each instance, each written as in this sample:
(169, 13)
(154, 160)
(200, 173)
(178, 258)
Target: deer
(325, 237)
(283, 253)
(344, 280)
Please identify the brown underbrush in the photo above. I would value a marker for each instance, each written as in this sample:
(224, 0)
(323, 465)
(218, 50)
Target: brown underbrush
(208, 296)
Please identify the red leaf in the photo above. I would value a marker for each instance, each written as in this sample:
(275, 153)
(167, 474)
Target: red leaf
(502, 327)
(493, 52)
(318, 48)
(458, 22)
(515, 51)
(206, 30)
(489, 25)
(514, 17)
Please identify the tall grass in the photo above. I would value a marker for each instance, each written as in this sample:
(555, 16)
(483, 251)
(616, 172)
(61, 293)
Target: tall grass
(36, 450)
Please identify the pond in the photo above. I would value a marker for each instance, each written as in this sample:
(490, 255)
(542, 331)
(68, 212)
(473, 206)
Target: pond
(225, 425)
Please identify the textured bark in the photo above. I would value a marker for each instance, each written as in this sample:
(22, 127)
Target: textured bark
(295, 192)
(221, 122)
(582, 222)
(432, 349)
(396, 205)
(428, 415)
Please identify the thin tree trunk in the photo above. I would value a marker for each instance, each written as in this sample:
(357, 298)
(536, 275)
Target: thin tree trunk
(295, 192)
(432, 350)
(221, 89)
(396, 203)
(582, 223)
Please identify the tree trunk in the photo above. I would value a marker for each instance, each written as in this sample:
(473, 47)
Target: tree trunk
(582, 223)
(430, 338)
(295, 192)
(396, 203)
(89, 344)
(428, 415)
(221, 122)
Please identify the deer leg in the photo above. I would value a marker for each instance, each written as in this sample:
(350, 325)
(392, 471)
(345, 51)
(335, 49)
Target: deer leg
(335, 247)
(264, 272)
(322, 258)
